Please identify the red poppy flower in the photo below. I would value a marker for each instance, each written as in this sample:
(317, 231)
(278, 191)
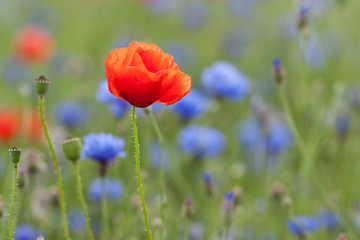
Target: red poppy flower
(143, 74)
(10, 125)
(34, 44)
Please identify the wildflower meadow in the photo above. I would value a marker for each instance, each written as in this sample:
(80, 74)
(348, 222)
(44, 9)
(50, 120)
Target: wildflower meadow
(179, 120)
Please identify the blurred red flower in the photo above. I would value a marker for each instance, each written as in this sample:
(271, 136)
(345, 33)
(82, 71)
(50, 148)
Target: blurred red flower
(32, 43)
(143, 74)
(33, 128)
(10, 125)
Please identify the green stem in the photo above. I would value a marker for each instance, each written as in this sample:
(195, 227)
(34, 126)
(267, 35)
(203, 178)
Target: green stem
(162, 172)
(12, 203)
(18, 210)
(105, 213)
(79, 189)
(225, 234)
(187, 230)
(141, 192)
(57, 168)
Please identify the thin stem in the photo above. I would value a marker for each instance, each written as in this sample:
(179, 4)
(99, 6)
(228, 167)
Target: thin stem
(79, 189)
(187, 230)
(12, 203)
(225, 234)
(57, 168)
(18, 210)
(141, 192)
(105, 213)
(162, 172)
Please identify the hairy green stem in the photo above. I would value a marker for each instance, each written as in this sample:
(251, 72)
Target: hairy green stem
(18, 210)
(162, 172)
(105, 213)
(137, 163)
(79, 189)
(12, 203)
(57, 168)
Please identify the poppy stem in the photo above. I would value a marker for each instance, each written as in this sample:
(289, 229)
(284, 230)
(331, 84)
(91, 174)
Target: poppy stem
(18, 210)
(79, 189)
(137, 163)
(105, 213)
(13, 203)
(162, 172)
(57, 168)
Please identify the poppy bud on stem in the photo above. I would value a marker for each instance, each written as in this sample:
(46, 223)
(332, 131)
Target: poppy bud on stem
(15, 154)
(41, 87)
(72, 150)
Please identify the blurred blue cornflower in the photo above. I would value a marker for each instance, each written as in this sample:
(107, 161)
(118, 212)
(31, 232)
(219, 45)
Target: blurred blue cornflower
(155, 156)
(117, 106)
(194, 14)
(192, 105)
(113, 188)
(317, 7)
(183, 53)
(272, 135)
(313, 52)
(242, 7)
(14, 70)
(300, 225)
(342, 123)
(102, 147)
(223, 79)
(77, 221)
(201, 141)
(328, 219)
(26, 232)
(71, 113)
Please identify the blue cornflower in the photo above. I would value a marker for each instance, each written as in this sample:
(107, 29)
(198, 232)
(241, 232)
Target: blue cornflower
(103, 94)
(77, 221)
(201, 141)
(313, 52)
(303, 224)
(155, 156)
(223, 79)
(192, 105)
(183, 53)
(71, 114)
(194, 14)
(26, 232)
(328, 218)
(113, 188)
(342, 123)
(102, 147)
(251, 135)
(278, 139)
(241, 7)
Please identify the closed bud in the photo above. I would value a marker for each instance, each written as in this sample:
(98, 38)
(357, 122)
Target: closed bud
(21, 181)
(228, 208)
(1, 207)
(278, 71)
(238, 194)
(15, 154)
(188, 207)
(303, 19)
(277, 190)
(209, 184)
(42, 85)
(72, 148)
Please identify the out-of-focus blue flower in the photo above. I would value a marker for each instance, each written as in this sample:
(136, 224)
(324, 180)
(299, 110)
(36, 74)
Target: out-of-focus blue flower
(317, 7)
(155, 156)
(196, 231)
(275, 136)
(77, 221)
(102, 147)
(201, 141)
(342, 123)
(313, 52)
(192, 105)
(103, 94)
(328, 218)
(14, 70)
(113, 188)
(194, 14)
(225, 80)
(183, 53)
(119, 107)
(26, 232)
(278, 139)
(300, 225)
(242, 7)
(71, 114)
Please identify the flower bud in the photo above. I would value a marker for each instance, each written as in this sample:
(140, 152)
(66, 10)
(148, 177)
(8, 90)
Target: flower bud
(209, 184)
(278, 71)
(42, 85)
(72, 148)
(188, 207)
(238, 194)
(21, 181)
(277, 191)
(1, 207)
(15, 154)
(303, 19)
(228, 208)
